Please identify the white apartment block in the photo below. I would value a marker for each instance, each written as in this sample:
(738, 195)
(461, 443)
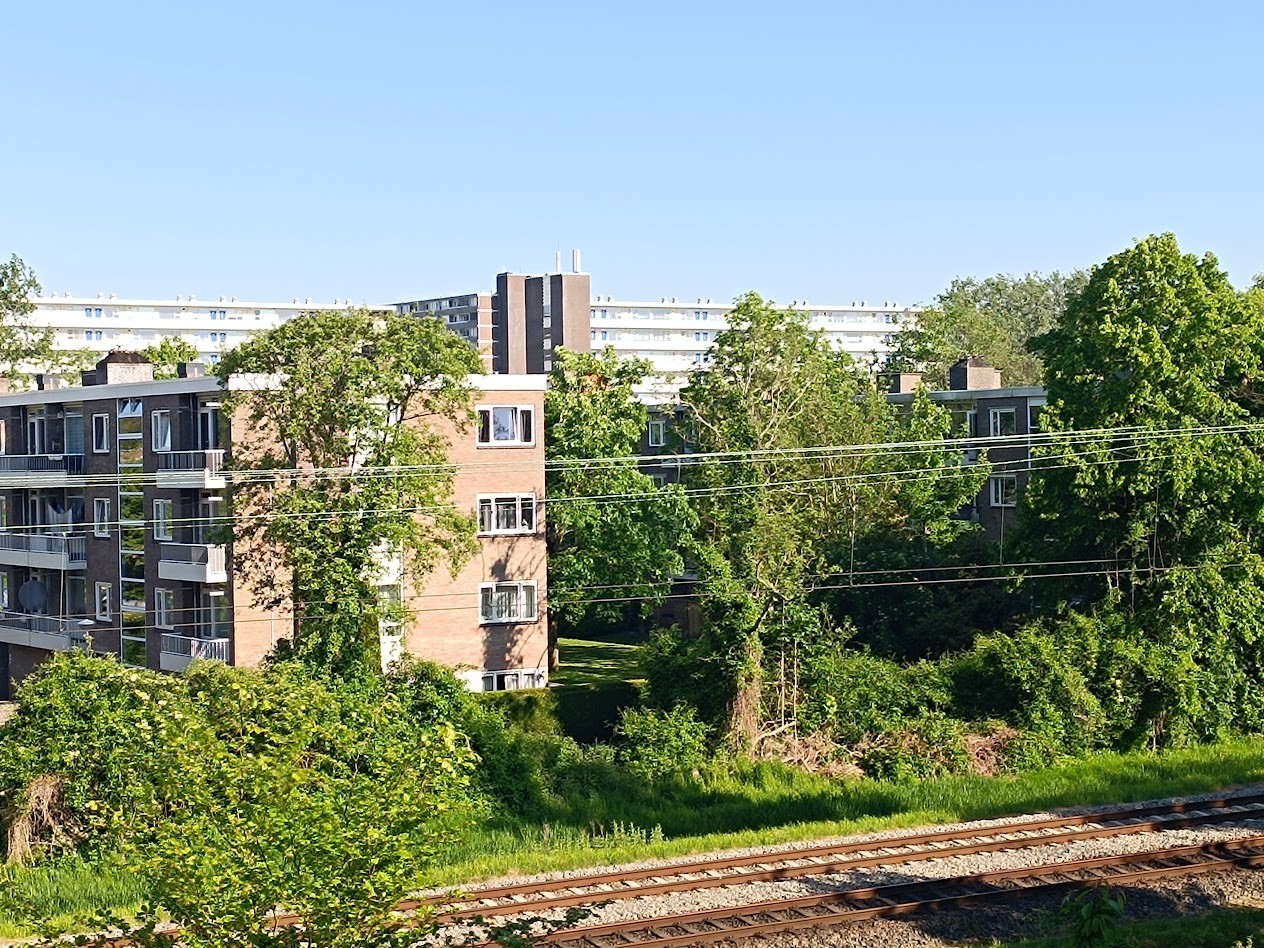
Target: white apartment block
(676, 335)
(100, 324)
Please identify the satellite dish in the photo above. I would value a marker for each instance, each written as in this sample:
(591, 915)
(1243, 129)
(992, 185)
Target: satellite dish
(32, 595)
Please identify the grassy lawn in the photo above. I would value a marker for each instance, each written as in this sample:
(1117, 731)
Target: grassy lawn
(1220, 929)
(587, 662)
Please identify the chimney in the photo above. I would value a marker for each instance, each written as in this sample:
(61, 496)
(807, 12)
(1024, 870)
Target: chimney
(47, 382)
(122, 366)
(973, 373)
(899, 383)
(191, 370)
(575, 263)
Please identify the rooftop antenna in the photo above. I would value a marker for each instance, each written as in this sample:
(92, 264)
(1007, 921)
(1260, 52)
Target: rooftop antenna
(557, 259)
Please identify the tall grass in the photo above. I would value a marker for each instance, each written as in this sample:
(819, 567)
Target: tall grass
(766, 804)
(63, 891)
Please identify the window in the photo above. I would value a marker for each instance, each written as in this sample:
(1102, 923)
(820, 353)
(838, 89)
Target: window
(657, 433)
(101, 516)
(164, 608)
(101, 434)
(4, 514)
(509, 513)
(660, 480)
(1004, 489)
(162, 519)
(1033, 418)
(971, 415)
(506, 425)
(1003, 421)
(507, 602)
(161, 424)
(4, 590)
(103, 602)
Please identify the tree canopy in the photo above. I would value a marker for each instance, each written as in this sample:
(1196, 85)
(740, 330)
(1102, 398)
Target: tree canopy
(167, 354)
(352, 493)
(616, 538)
(24, 347)
(994, 317)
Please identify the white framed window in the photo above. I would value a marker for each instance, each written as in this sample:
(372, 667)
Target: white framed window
(101, 516)
(4, 590)
(971, 420)
(657, 433)
(507, 602)
(506, 425)
(506, 513)
(104, 612)
(160, 424)
(1004, 490)
(164, 608)
(1033, 418)
(1003, 421)
(100, 434)
(162, 519)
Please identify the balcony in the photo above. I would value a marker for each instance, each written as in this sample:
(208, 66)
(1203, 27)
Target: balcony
(51, 633)
(44, 550)
(200, 470)
(179, 650)
(41, 470)
(192, 562)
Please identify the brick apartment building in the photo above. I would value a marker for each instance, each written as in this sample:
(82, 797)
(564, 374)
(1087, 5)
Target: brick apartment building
(108, 494)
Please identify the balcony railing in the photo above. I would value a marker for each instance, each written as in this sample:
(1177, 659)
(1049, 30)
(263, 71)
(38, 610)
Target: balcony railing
(25, 463)
(211, 461)
(193, 562)
(52, 633)
(191, 648)
(72, 547)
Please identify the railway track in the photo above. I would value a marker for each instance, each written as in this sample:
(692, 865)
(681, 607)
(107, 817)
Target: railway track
(694, 874)
(888, 901)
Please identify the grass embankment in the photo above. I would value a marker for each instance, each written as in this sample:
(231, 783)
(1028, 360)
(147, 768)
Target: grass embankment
(64, 891)
(1220, 929)
(769, 805)
(763, 805)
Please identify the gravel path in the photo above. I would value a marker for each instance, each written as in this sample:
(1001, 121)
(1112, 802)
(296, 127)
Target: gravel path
(1162, 898)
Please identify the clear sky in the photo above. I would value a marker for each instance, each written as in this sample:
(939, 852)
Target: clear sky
(833, 151)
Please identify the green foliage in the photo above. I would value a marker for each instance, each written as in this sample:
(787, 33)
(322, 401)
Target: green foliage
(656, 744)
(995, 318)
(614, 536)
(1093, 914)
(347, 397)
(235, 791)
(24, 347)
(168, 353)
(928, 745)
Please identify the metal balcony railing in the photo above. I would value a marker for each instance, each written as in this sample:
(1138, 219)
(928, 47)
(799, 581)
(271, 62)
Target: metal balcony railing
(209, 460)
(21, 463)
(73, 547)
(191, 648)
(198, 554)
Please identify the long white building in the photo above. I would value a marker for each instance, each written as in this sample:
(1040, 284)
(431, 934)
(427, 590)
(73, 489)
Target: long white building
(99, 324)
(675, 335)
(516, 328)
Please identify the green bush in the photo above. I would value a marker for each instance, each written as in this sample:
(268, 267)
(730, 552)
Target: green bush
(655, 744)
(930, 745)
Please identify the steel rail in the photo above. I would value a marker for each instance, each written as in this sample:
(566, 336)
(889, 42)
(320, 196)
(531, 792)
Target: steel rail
(904, 898)
(881, 855)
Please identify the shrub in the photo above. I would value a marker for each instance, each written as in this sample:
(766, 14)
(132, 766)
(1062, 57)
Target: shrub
(655, 744)
(930, 745)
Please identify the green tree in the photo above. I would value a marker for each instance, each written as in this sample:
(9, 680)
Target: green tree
(24, 347)
(168, 353)
(615, 537)
(788, 484)
(1153, 477)
(350, 472)
(995, 318)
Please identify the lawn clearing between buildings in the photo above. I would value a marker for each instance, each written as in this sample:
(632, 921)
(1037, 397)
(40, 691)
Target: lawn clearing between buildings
(590, 662)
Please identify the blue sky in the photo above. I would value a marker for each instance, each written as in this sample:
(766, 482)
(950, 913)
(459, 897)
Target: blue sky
(827, 151)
